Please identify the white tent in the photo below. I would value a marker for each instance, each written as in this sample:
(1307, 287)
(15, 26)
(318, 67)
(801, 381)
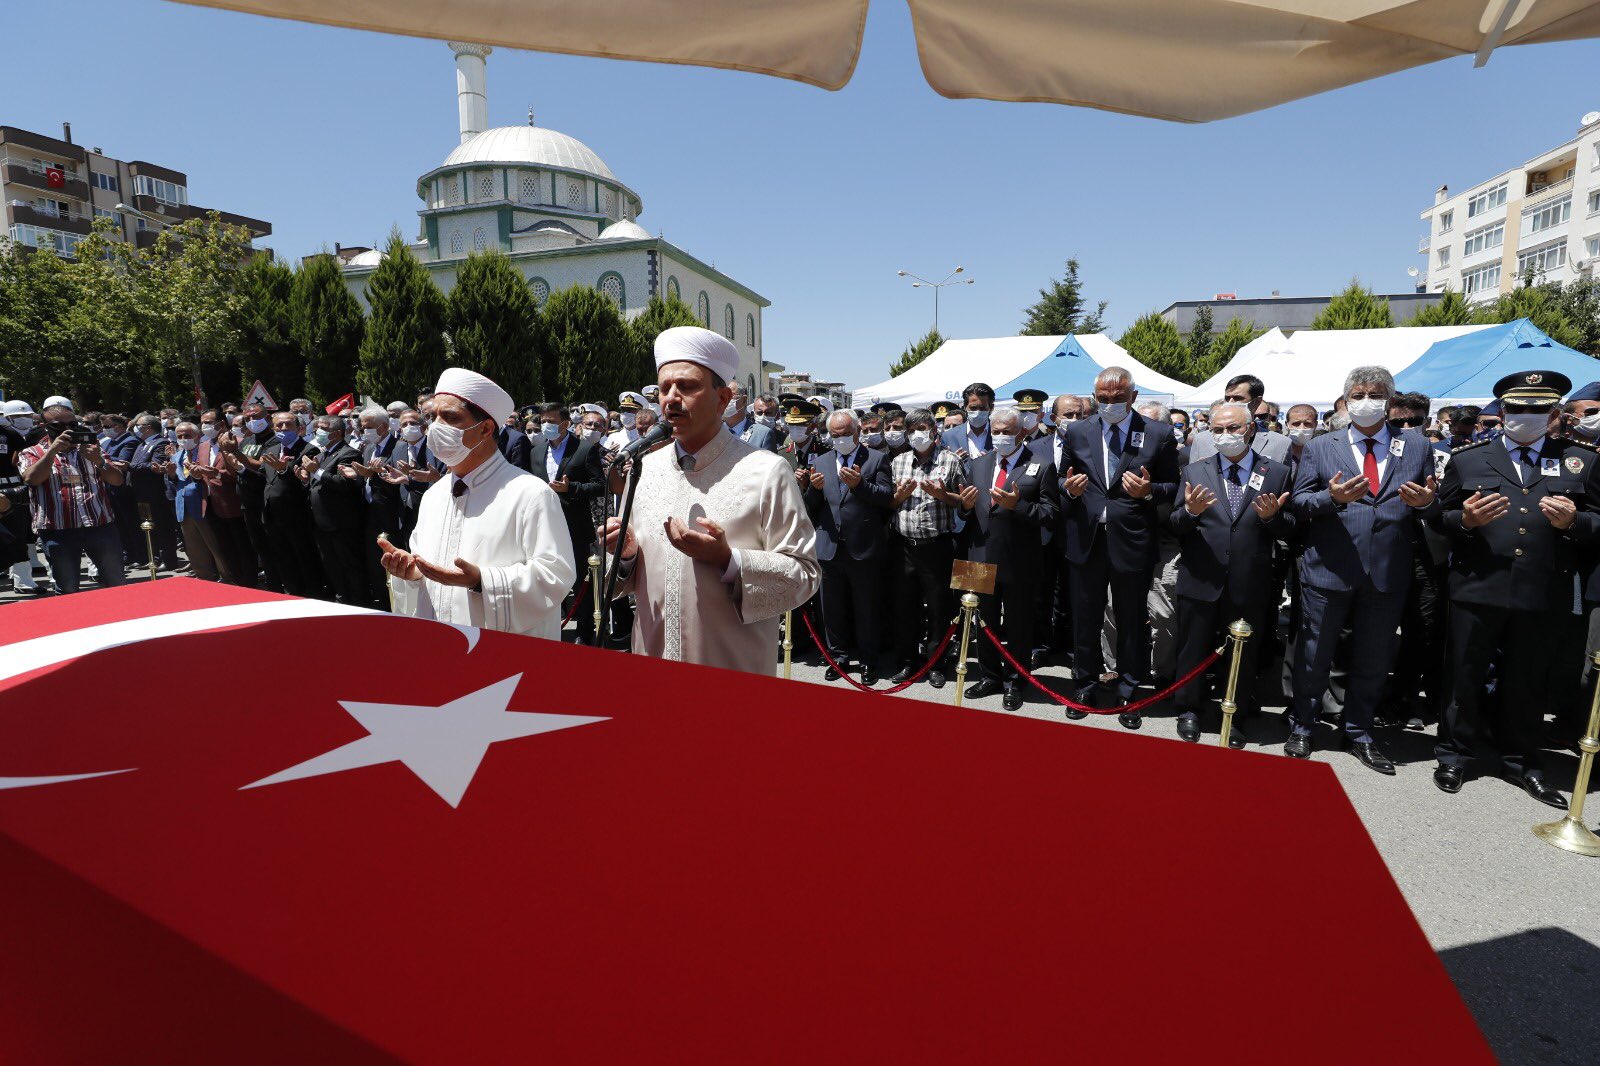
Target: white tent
(956, 364)
(1311, 368)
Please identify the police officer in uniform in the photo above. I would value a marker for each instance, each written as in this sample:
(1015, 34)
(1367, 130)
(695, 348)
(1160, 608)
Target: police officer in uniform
(1517, 508)
(1030, 405)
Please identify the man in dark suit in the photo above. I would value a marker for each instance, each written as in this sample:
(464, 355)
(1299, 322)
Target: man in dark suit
(971, 438)
(848, 494)
(1121, 467)
(744, 426)
(516, 447)
(413, 468)
(1357, 492)
(286, 510)
(571, 466)
(1232, 508)
(382, 513)
(1053, 621)
(1011, 498)
(334, 492)
(148, 470)
(1517, 509)
(120, 449)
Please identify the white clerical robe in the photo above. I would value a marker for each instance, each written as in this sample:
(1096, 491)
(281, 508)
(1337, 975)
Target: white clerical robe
(685, 610)
(508, 523)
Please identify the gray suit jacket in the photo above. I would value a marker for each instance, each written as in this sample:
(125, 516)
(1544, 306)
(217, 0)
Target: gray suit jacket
(1268, 445)
(761, 438)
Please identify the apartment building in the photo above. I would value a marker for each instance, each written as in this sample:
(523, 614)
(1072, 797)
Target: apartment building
(1541, 218)
(54, 189)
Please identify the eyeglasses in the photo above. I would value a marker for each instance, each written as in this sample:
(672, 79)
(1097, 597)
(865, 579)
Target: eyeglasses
(1488, 423)
(1414, 422)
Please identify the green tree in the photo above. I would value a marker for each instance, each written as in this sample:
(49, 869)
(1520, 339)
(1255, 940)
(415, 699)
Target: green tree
(494, 324)
(1238, 333)
(1157, 344)
(36, 293)
(916, 352)
(1200, 339)
(403, 349)
(1580, 301)
(1453, 310)
(1355, 308)
(1542, 305)
(327, 327)
(659, 315)
(1061, 309)
(267, 348)
(585, 341)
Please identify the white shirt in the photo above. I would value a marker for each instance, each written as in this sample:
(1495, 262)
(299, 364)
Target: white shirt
(1245, 463)
(1523, 472)
(977, 443)
(1003, 466)
(1380, 439)
(554, 454)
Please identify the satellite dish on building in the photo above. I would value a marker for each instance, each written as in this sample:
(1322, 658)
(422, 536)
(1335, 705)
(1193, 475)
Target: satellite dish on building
(1591, 118)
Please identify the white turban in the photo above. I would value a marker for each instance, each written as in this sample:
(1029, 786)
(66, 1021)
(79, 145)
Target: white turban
(477, 389)
(693, 344)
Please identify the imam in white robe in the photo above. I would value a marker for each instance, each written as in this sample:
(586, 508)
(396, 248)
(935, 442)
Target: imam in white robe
(509, 524)
(686, 611)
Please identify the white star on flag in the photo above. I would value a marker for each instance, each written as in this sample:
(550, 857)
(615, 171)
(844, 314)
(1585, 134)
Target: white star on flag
(441, 745)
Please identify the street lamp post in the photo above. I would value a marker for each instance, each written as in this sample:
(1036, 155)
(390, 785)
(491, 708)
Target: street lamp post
(194, 351)
(923, 283)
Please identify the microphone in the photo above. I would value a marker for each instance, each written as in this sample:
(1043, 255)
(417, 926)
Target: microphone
(652, 437)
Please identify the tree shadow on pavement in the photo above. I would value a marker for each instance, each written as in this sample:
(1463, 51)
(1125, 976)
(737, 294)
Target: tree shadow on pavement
(1533, 994)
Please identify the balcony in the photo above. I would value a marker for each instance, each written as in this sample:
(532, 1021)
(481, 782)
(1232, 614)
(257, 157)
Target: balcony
(74, 188)
(1424, 244)
(1541, 195)
(173, 214)
(48, 218)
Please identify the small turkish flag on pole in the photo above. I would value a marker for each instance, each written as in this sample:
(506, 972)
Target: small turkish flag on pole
(379, 838)
(347, 402)
(55, 177)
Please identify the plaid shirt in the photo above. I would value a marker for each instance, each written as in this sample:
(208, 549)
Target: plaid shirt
(920, 516)
(72, 498)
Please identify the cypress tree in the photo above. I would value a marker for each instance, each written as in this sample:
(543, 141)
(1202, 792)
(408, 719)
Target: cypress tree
(916, 352)
(1200, 339)
(1061, 309)
(327, 328)
(586, 350)
(660, 314)
(1157, 344)
(267, 348)
(494, 323)
(1238, 333)
(403, 350)
(1355, 308)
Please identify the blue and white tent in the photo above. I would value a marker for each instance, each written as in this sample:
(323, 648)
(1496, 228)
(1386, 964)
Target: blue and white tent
(1078, 360)
(1464, 369)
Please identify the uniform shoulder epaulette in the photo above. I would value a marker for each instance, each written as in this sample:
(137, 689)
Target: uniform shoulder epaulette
(1585, 445)
(1470, 445)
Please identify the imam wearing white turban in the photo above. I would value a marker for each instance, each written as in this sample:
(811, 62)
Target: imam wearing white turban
(491, 548)
(719, 544)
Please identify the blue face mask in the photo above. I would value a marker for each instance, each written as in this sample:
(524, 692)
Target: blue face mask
(288, 437)
(978, 420)
(551, 431)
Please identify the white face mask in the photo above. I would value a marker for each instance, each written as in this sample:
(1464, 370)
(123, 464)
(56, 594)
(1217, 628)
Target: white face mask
(1030, 422)
(1302, 434)
(1233, 445)
(369, 436)
(843, 445)
(768, 420)
(591, 432)
(551, 431)
(733, 410)
(1367, 412)
(1590, 424)
(446, 443)
(874, 440)
(1114, 413)
(189, 445)
(256, 425)
(394, 425)
(921, 440)
(320, 439)
(21, 423)
(209, 430)
(1005, 443)
(412, 433)
(894, 438)
(1525, 427)
(628, 419)
(978, 420)
(798, 433)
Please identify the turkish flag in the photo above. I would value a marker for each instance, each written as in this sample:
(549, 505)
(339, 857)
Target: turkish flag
(347, 402)
(55, 177)
(318, 834)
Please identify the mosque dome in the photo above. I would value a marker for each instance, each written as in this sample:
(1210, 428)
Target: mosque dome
(624, 231)
(529, 144)
(369, 258)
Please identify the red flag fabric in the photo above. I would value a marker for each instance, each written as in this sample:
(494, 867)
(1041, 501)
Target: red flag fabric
(345, 836)
(347, 402)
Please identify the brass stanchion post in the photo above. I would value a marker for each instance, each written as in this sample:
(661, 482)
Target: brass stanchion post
(788, 645)
(594, 592)
(969, 611)
(1238, 633)
(1570, 834)
(149, 542)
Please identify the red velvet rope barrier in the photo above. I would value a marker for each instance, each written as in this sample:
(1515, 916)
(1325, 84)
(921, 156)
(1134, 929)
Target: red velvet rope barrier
(891, 690)
(1131, 708)
(577, 598)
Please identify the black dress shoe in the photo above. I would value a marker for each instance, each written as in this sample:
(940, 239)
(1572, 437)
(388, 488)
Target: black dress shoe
(1189, 729)
(1085, 696)
(830, 674)
(936, 678)
(1534, 786)
(869, 677)
(1448, 778)
(1129, 721)
(1075, 714)
(903, 676)
(986, 687)
(1371, 756)
(1013, 699)
(1236, 738)
(1298, 746)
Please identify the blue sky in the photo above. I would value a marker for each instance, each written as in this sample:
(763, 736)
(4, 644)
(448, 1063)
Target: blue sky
(812, 198)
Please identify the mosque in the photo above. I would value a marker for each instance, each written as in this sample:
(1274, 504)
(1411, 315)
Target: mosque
(554, 207)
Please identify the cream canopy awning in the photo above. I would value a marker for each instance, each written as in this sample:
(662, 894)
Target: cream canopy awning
(1185, 60)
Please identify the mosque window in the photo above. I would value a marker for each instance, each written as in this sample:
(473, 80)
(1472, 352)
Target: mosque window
(611, 203)
(727, 321)
(541, 290)
(457, 243)
(453, 189)
(575, 194)
(703, 309)
(530, 188)
(611, 286)
(480, 239)
(750, 331)
(674, 292)
(486, 186)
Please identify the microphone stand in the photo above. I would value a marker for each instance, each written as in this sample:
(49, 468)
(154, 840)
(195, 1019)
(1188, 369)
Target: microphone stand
(630, 487)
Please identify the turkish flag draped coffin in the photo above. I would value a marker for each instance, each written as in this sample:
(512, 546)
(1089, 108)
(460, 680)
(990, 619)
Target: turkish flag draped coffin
(345, 836)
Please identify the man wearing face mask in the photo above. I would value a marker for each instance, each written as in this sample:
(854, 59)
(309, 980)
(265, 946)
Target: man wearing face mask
(1415, 693)
(515, 445)
(16, 531)
(1489, 422)
(894, 428)
(381, 496)
(66, 475)
(1053, 625)
(1030, 406)
(766, 414)
(187, 486)
(1518, 512)
(255, 435)
(799, 419)
(1016, 499)
(629, 404)
(1233, 510)
(147, 471)
(848, 496)
(744, 426)
(334, 491)
(491, 548)
(972, 439)
(929, 483)
(1358, 491)
(572, 467)
(286, 510)
(1121, 467)
(412, 469)
(1248, 390)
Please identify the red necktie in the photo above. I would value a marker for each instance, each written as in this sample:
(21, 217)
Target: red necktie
(1369, 466)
